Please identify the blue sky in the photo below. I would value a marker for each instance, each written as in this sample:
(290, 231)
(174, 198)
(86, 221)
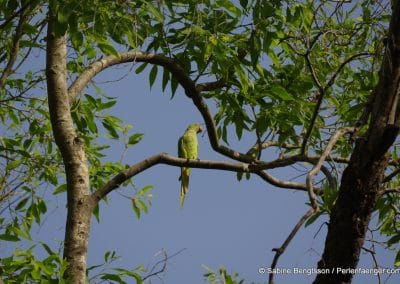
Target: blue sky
(223, 223)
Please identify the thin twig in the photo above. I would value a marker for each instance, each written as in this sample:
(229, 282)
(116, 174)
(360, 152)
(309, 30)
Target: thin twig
(279, 251)
(164, 264)
(372, 253)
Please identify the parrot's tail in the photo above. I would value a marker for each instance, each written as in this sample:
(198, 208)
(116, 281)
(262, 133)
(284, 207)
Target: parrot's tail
(184, 184)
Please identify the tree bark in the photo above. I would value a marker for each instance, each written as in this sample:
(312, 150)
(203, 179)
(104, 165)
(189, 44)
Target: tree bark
(362, 179)
(80, 205)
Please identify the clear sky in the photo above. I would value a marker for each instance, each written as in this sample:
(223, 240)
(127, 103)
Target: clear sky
(223, 223)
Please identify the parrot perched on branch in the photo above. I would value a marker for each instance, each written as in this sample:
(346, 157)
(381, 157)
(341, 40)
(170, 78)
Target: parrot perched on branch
(187, 148)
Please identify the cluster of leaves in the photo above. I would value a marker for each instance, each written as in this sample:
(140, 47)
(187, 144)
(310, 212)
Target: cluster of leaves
(23, 267)
(117, 275)
(221, 277)
(389, 222)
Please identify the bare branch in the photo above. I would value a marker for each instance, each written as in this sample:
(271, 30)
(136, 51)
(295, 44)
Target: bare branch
(163, 261)
(394, 190)
(309, 180)
(281, 183)
(376, 266)
(131, 56)
(391, 175)
(319, 96)
(279, 251)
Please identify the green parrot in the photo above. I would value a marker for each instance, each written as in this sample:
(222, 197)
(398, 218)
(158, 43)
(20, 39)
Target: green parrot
(187, 148)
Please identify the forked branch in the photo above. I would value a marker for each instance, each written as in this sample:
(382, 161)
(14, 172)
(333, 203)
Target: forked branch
(315, 170)
(279, 251)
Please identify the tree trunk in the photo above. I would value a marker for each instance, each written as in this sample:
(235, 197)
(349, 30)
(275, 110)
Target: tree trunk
(362, 179)
(80, 204)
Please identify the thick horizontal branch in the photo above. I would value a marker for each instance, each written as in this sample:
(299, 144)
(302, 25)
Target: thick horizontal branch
(164, 158)
(131, 56)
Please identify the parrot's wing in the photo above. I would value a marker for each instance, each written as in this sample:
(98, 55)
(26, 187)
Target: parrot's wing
(181, 148)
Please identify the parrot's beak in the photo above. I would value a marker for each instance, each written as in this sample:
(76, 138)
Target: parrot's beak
(200, 130)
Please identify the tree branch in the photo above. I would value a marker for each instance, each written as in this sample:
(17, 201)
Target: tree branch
(130, 56)
(317, 167)
(342, 65)
(279, 251)
(164, 158)
(280, 183)
(211, 86)
(15, 47)
(15, 14)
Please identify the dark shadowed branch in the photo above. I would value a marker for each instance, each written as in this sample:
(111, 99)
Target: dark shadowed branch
(279, 251)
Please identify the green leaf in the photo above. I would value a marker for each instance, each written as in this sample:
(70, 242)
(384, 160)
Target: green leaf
(153, 75)
(96, 212)
(13, 164)
(135, 138)
(397, 259)
(393, 240)
(19, 232)
(312, 219)
(143, 206)
(113, 277)
(42, 206)
(165, 78)
(22, 203)
(61, 23)
(111, 128)
(174, 86)
(154, 11)
(135, 207)
(77, 39)
(145, 189)
(141, 68)
(47, 248)
(126, 272)
(281, 93)
(9, 238)
(107, 105)
(60, 189)
(107, 48)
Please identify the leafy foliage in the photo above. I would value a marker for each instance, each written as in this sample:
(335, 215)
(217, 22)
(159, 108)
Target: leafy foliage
(221, 277)
(289, 74)
(23, 267)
